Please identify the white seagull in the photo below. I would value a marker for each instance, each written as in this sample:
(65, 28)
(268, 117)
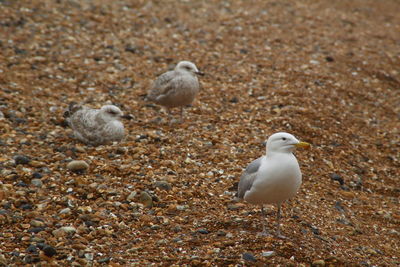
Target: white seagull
(176, 88)
(96, 126)
(273, 178)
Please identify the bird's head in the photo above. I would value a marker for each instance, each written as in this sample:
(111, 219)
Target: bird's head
(111, 111)
(188, 67)
(284, 142)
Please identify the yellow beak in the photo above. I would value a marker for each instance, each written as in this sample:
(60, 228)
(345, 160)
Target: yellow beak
(302, 145)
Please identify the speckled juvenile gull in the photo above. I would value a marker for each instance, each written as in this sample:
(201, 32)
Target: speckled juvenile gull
(274, 177)
(176, 88)
(96, 126)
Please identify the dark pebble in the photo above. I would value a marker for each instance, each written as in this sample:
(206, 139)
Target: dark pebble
(20, 159)
(3, 212)
(203, 231)
(315, 230)
(329, 59)
(49, 251)
(337, 177)
(104, 260)
(31, 249)
(345, 188)
(177, 229)
(163, 185)
(26, 206)
(19, 120)
(15, 253)
(37, 175)
(41, 245)
(29, 259)
(234, 100)
(90, 223)
(221, 233)
(35, 229)
(248, 257)
(339, 207)
(131, 48)
(20, 183)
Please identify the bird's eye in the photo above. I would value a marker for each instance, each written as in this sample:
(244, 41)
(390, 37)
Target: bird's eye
(284, 138)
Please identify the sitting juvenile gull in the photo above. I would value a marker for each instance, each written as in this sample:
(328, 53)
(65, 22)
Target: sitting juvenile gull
(273, 178)
(176, 88)
(96, 126)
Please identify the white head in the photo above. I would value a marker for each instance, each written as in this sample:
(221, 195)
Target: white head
(111, 112)
(188, 66)
(283, 142)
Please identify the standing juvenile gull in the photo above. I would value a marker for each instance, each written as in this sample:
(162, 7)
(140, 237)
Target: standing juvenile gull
(273, 178)
(176, 88)
(96, 126)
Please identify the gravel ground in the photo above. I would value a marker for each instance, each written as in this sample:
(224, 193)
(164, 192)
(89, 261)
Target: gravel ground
(326, 71)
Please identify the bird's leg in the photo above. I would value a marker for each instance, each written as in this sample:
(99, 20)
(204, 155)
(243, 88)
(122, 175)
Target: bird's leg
(182, 113)
(170, 117)
(263, 218)
(278, 220)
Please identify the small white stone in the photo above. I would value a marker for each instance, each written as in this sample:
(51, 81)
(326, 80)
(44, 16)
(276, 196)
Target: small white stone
(268, 253)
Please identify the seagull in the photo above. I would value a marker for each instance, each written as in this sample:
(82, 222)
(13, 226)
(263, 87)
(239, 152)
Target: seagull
(176, 88)
(95, 126)
(274, 177)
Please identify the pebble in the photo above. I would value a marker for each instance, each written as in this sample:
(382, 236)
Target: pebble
(89, 256)
(121, 150)
(337, 177)
(248, 257)
(26, 206)
(3, 260)
(104, 260)
(39, 242)
(31, 259)
(177, 240)
(36, 230)
(268, 253)
(318, 263)
(31, 249)
(233, 207)
(37, 175)
(37, 182)
(203, 231)
(162, 242)
(77, 166)
(221, 233)
(65, 211)
(49, 251)
(146, 199)
(394, 232)
(339, 207)
(163, 185)
(182, 207)
(37, 223)
(131, 196)
(155, 227)
(21, 159)
(65, 229)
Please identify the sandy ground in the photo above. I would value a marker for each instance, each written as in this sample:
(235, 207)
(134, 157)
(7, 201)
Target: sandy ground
(326, 71)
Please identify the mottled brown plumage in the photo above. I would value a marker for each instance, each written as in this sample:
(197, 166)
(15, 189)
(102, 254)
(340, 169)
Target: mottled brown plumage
(96, 126)
(176, 88)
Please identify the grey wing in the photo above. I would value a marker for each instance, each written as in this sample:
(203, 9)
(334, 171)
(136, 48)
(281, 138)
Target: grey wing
(161, 85)
(248, 177)
(84, 124)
